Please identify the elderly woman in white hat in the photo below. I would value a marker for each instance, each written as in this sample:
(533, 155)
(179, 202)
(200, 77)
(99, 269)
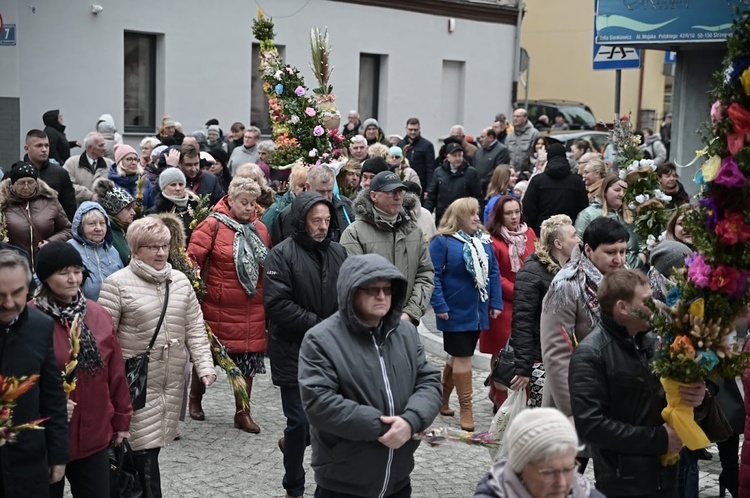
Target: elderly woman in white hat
(541, 446)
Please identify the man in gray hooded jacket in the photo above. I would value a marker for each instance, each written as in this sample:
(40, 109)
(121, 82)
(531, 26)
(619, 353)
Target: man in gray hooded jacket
(366, 386)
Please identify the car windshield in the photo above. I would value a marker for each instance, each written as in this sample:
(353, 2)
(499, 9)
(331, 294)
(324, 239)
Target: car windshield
(578, 116)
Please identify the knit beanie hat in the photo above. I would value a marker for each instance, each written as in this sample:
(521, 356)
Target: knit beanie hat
(214, 128)
(669, 254)
(169, 176)
(533, 432)
(396, 151)
(556, 150)
(23, 170)
(200, 135)
(370, 122)
(55, 256)
(374, 165)
(112, 198)
(122, 150)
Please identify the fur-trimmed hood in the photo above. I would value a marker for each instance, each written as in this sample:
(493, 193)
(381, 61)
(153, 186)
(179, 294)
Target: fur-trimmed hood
(8, 197)
(363, 207)
(177, 238)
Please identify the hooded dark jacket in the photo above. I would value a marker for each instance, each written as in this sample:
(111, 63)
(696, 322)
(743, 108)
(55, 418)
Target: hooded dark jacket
(617, 402)
(402, 243)
(284, 225)
(299, 289)
(555, 191)
(447, 186)
(350, 375)
(59, 146)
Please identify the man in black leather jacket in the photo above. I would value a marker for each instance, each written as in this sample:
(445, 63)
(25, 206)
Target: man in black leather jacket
(617, 400)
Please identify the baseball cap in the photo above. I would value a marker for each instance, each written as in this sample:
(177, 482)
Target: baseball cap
(453, 147)
(386, 181)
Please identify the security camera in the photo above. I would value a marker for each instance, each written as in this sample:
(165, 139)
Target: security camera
(95, 9)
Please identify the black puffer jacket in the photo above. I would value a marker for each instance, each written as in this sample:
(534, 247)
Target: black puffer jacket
(532, 284)
(299, 289)
(59, 146)
(555, 191)
(617, 402)
(446, 186)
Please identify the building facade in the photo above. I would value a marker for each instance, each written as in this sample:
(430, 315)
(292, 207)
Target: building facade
(444, 61)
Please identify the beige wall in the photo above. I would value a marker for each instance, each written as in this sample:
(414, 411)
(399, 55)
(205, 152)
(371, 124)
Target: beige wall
(558, 36)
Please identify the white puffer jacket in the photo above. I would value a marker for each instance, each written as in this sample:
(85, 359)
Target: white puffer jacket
(134, 296)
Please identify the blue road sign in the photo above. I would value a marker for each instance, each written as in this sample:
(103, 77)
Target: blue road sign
(616, 57)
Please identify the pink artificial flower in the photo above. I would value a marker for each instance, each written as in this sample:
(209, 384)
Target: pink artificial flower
(717, 111)
(318, 130)
(310, 112)
(732, 229)
(735, 141)
(726, 279)
(730, 175)
(299, 91)
(698, 271)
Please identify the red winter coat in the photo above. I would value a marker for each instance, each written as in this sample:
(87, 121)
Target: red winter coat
(103, 399)
(745, 457)
(493, 340)
(238, 320)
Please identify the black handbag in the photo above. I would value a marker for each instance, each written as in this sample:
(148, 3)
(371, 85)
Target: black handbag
(504, 368)
(715, 424)
(136, 368)
(124, 480)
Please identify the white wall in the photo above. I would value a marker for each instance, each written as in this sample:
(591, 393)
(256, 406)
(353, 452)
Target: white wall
(69, 59)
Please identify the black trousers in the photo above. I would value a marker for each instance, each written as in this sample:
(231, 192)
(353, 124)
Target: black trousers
(147, 463)
(404, 492)
(88, 477)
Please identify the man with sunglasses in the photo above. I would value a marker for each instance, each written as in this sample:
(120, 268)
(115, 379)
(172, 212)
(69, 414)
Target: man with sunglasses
(386, 225)
(366, 386)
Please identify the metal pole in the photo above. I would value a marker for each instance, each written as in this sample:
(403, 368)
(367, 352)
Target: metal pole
(618, 83)
(517, 52)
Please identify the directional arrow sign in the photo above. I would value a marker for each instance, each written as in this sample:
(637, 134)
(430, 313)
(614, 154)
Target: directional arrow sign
(616, 57)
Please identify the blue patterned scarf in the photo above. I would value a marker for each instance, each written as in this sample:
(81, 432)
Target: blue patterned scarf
(476, 259)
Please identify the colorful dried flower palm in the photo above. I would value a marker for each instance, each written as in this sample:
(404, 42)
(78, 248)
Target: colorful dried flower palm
(696, 327)
(70, 374)
(10, 390)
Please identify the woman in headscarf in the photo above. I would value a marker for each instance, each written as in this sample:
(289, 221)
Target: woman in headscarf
(101, 399)
(467, 293)
(230, 247)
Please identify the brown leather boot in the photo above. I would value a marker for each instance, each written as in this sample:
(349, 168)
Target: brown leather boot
(445, 408)
(464, 389)
(197, 390)
(242, 418)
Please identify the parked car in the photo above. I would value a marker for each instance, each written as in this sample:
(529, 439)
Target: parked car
(578, 115)
(598, 139)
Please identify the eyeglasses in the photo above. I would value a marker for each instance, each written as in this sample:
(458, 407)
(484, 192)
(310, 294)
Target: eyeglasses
(25, 184)
(551, 475)
(155, 249)
(375, 290)
(131, 159)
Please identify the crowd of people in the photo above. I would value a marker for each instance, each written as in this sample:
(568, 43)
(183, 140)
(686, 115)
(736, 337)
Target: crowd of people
(327, 271)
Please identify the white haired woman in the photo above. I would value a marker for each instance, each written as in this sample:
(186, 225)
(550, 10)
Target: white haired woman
(136, 297)
(541, 449)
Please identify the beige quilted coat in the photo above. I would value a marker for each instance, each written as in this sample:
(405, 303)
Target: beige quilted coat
(134, 297)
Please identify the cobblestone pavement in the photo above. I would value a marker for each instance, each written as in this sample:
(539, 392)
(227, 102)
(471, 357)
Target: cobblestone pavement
(213, 459)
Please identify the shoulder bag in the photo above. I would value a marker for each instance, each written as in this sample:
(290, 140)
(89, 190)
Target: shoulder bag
(124, 480)
(136, 368)
(504, 368)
